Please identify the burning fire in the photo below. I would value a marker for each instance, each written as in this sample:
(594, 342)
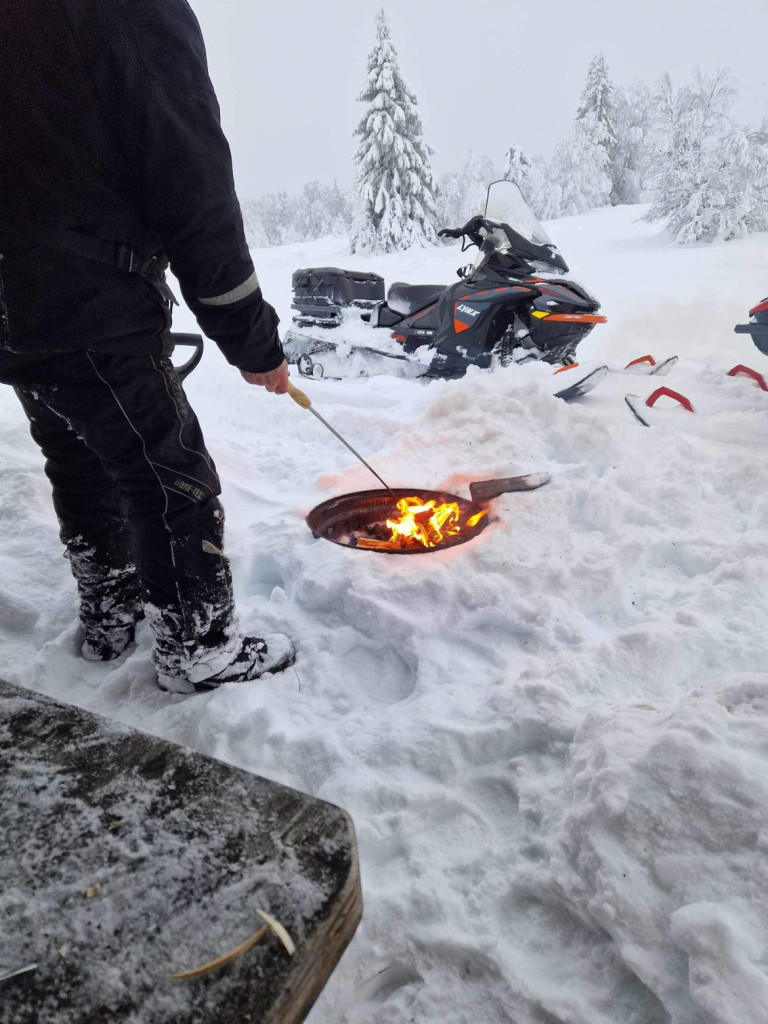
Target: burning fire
(427, 523)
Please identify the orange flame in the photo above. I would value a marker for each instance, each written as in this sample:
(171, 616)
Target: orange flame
(426, 522)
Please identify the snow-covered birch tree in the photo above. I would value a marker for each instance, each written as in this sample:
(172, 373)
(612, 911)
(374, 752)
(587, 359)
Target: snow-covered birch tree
(710, 179)
(635, 126)
(396, 186)
(278, 218)
(274, 214)
(463, 191)
(530, 174)
(577, 177)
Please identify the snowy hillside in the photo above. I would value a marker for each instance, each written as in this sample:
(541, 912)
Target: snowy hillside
(553, 740)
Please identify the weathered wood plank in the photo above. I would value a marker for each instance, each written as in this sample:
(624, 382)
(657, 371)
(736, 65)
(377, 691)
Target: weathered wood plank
(184, 850)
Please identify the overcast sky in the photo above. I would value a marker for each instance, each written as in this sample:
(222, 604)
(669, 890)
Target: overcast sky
(486, 73)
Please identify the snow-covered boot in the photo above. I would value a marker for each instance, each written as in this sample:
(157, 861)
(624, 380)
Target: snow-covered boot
(198, 641)
(109, 590)
(257, 657)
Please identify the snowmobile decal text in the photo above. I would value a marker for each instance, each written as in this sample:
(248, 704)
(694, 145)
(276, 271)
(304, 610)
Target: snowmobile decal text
(461, 308)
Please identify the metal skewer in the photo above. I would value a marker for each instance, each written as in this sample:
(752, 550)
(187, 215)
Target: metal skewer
(303, 400)
(10, 971)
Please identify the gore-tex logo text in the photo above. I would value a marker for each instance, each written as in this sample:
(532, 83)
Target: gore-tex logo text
(467, 309)
(194, 492)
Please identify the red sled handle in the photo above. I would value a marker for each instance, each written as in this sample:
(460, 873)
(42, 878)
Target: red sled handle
(669, 393)
(749, 372)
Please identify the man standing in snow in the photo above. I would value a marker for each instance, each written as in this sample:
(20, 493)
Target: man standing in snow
(113, 163)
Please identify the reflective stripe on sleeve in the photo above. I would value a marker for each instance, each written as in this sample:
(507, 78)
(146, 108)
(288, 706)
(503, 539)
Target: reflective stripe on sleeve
(241, 292)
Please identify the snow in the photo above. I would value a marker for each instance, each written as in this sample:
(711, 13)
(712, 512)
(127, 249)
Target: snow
(553, 740)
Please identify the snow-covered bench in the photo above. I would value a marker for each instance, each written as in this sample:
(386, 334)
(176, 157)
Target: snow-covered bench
(125, 859)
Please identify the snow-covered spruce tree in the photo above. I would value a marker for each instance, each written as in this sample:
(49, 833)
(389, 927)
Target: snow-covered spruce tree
(596, 126)
(396, 187)
(517, 167)
(596, 115)
(577, 178)
(710, 178)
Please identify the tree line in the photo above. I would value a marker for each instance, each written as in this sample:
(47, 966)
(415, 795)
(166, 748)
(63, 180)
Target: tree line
(676, 148)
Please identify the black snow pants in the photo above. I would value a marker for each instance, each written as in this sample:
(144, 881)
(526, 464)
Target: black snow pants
(133, 482)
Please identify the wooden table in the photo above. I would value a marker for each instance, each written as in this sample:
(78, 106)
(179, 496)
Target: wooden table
(124, 859)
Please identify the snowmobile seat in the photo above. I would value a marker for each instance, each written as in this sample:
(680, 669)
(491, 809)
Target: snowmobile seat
(408, 298)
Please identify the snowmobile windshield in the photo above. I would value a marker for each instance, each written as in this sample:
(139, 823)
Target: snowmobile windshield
(506, 205)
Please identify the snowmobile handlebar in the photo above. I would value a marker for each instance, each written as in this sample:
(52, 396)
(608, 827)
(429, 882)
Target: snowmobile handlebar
(470, 230)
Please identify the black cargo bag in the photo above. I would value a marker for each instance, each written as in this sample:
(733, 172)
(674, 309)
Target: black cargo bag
(324, 291)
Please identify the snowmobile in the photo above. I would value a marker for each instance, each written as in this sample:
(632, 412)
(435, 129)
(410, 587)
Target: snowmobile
(514, 304)
(757, 326)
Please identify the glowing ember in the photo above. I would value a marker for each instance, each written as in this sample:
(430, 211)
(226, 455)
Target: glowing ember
(426, 522)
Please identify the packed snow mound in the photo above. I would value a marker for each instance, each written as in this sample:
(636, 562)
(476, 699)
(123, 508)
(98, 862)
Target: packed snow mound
(552, 740)
(657, 839)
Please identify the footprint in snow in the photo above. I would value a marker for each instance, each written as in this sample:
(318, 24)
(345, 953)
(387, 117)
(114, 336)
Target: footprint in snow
(380, 674)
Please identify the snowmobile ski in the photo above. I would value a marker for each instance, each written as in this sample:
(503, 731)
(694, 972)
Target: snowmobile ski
(635, 404)
(648, 367)
(639, 407)
(662, 369)
(583, 386)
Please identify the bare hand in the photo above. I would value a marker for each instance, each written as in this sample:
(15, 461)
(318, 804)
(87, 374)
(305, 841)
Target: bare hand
(275, 381)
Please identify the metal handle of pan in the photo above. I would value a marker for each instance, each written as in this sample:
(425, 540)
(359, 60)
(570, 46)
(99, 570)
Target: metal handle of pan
(487, 490)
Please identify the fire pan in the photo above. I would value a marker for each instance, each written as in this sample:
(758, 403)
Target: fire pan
(345, 519)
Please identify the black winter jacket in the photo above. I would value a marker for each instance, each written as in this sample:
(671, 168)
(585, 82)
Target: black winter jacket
(110, 136)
